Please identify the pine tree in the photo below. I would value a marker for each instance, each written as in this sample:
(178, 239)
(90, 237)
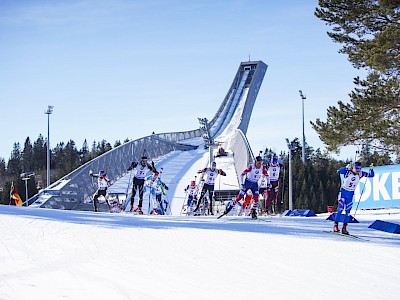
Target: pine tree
(27, 156)
(84, 153)
(369, 32)
(14, 166)
(39, 154)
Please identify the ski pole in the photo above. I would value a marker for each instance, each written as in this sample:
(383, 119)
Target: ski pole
(220, 195)
(283, 186)
(355, 212)
(183, 204)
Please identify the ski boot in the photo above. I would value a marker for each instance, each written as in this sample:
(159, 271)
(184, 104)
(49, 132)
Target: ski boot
(131, 209)
(254, 213)
(344, 229)
(228, 208)
(138, 210)
(336, 227)
(155, 212)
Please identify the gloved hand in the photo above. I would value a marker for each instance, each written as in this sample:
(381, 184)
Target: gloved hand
(90, 172)
(349, 167)
(371, 166)
(132, 166)
(269, 186)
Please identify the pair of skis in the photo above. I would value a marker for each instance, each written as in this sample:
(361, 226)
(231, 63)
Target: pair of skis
(352, 236)
(230, 208)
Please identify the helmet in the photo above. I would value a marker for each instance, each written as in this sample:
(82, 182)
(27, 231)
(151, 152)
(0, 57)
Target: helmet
(274, 160)
(259, 158)
(143, 161)
(213, 164)
(102, 173)
(357, 166)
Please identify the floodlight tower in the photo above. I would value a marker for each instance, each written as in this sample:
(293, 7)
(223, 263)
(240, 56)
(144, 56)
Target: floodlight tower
(48, 112)
(304, 137)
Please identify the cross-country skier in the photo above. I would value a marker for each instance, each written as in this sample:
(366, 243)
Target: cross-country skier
(352, 175)
(273, 190)
(191, 190)
(102, 185)
(248, 198)
(157, 189)
(263, 185)
(140, 171)
(249, 179)
(211, 174)
(115, 205)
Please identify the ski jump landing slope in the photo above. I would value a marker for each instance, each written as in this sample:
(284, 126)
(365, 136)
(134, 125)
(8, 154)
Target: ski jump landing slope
(181, 167)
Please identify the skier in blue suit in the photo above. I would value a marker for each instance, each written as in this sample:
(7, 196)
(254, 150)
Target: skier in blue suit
(157, 189)
(352, 175)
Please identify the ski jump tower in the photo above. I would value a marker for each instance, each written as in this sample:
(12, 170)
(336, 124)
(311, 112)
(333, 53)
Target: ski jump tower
(230, 124)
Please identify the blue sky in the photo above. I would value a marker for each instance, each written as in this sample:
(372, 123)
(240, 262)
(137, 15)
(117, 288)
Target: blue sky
(123, 69)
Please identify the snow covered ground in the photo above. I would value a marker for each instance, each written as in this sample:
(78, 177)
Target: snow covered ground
(55, 254)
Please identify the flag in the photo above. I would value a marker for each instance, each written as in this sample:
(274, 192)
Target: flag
(14, 195)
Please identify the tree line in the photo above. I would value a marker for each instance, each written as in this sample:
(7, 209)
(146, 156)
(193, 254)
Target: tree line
(64, 158)
(315, 183)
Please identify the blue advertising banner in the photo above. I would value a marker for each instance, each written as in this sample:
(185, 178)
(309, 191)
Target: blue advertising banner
(380, 191)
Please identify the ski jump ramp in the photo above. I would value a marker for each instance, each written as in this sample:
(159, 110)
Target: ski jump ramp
(179, 155)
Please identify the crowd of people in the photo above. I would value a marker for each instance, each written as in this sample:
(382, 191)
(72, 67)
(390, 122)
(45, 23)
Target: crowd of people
(255, 180)
(259, 189)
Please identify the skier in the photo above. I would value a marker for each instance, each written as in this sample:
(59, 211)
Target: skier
(248, 198)
(157, 189)
(352, 175)
(192, 190)
(273, 190)
(249, 179)
(140, 170)
(208, 185)
(263, 185)
(102, 185)
(116, 205)
(221, 152)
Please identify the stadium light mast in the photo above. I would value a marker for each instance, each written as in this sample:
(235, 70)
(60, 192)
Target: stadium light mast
(304, 137)
(48, 112)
